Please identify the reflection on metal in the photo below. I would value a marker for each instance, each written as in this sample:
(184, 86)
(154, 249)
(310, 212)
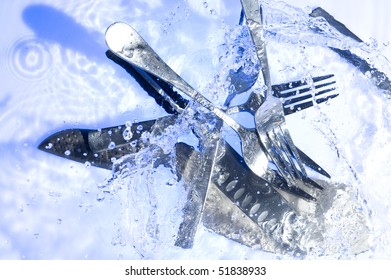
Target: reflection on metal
(377, 77)
(127, 44)
(237, 196)
(196, 171)
(97, 147)
(269, 116)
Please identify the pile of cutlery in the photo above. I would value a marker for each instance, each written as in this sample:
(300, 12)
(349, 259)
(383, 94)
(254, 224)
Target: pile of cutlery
(265, 182)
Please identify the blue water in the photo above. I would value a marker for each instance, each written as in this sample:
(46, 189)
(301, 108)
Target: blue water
(55, 75)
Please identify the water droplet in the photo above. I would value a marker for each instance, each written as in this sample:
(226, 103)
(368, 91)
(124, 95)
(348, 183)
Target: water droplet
(139, 127)
(59, 221)
(49, 146)
(133, 143)
(127, 134)
(145, 136)
(205, 4)
(87, 164)
(67, 152)
(111, 145)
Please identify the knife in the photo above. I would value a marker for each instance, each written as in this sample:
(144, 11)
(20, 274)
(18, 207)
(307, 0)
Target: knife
(377, 77)
(100, 147)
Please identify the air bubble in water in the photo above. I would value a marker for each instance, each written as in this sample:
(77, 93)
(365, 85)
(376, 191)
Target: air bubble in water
(133, 143)
(145, 136)
(111, 145)
(127, 134)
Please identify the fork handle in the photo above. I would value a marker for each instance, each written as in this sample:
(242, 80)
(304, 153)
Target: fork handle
(253, 12)
(126, 43)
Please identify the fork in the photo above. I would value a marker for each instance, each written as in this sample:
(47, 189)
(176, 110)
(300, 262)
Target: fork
(269, 117)
(297, 95)
(129, 46)
(126, 43)
(177, 104)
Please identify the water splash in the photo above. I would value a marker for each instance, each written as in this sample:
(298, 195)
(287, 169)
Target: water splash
(150, 193)
(342, 227)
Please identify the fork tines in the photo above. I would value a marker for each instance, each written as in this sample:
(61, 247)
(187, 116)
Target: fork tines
(286, 159)
(283, 152)
(297, 95)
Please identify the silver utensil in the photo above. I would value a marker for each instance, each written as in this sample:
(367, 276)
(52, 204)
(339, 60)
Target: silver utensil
(376, 76)
(126, 43)
(96, 146)
(295, 96)
(269, 117)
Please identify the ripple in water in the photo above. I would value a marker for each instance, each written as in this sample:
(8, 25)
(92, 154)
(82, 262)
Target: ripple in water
(29, 59)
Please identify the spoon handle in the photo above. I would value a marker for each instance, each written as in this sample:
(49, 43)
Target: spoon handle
(126, 43)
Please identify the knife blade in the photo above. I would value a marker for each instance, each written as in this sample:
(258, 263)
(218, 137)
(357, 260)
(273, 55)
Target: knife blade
(98, 147)
(377, 77)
